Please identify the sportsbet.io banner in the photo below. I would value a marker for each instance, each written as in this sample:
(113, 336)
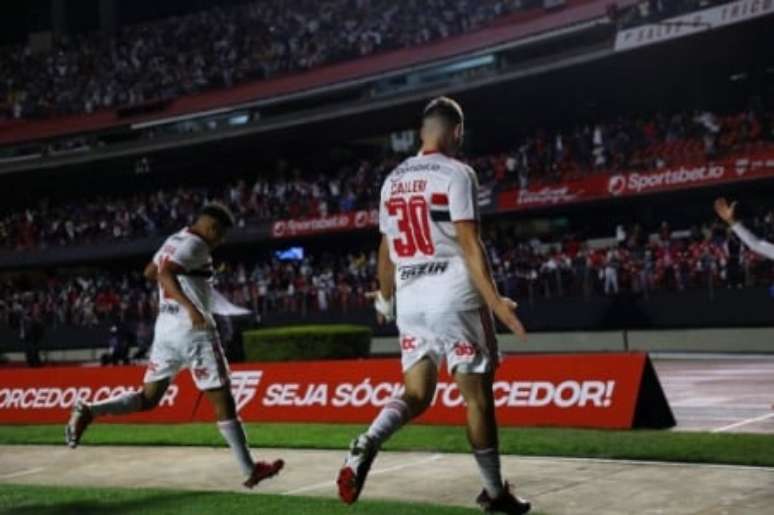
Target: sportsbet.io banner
(747, 167)
(583, 390)
(325, 224)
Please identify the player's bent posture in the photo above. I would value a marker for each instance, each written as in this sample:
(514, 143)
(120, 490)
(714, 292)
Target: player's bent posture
(432, 263)
(727, 213)
(185, 337)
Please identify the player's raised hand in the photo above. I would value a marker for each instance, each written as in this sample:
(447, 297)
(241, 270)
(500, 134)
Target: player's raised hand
(726, 211)
(505, 311)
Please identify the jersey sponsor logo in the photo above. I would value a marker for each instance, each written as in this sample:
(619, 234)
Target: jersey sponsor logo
(404, 169)
(413, 271)
(171, 309)
(244, 386)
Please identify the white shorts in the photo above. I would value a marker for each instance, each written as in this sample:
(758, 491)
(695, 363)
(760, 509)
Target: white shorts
(197, 350)
(465, 339)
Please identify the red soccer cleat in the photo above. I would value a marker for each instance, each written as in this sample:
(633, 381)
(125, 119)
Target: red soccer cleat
(263, 471)
(353, 474)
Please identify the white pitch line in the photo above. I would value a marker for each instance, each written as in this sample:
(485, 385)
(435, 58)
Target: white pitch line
(22, 473)
(647, 463)
(743, 423)
(317, 486)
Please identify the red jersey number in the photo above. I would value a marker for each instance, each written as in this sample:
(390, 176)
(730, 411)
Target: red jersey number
(414, 226)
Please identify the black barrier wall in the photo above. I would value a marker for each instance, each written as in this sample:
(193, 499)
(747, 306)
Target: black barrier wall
(752, 307)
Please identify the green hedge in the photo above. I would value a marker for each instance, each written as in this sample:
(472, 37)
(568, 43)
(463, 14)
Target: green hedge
(308, 342)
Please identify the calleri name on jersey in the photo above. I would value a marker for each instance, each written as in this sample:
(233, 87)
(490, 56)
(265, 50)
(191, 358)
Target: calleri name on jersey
(420, 200)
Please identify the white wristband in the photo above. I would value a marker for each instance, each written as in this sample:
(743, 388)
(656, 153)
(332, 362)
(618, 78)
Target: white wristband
(385, 307)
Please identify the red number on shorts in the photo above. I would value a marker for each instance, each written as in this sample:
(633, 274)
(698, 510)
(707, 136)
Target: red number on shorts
(408, 343)
(463, 349)
(414, 225)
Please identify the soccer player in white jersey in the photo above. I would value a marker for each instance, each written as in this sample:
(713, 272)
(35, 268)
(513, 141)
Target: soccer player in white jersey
(727, 213)
(185, 337)
(433, 267)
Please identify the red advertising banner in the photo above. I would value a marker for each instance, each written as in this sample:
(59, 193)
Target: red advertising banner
(333, 223)
(43, 395)
(603, 186)
(573, 390)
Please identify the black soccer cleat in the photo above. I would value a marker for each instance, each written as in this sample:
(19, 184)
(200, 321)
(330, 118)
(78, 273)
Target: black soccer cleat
(507, 502)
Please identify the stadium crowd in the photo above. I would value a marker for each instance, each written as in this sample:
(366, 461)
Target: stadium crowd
(220, 47)
(288, 192)
(223, 46)
(630, 262)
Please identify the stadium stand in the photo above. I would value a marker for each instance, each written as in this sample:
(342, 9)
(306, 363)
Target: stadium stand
(623, 144)
(221, 47)
(634, 261)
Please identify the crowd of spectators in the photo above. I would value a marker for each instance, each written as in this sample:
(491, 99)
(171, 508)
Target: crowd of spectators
(632, 261)
(220, 47)
(288, 192)
(629, 262)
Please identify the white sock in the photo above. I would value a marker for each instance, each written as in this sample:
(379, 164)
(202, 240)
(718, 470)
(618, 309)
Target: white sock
(489, 466)
(234, 434)
(390, 419)
(120, 405)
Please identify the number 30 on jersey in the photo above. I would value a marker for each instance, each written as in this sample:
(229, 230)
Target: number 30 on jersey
(414, 225)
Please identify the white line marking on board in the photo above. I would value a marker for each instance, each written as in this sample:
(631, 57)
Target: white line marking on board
(317, 486)
(743, 423)
(22, 473)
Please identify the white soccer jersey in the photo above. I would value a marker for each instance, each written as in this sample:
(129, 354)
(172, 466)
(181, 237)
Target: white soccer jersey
(192, 253)
(420, 200)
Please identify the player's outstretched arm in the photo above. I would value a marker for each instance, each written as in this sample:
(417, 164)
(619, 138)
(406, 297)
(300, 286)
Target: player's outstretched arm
(727, 212)
(478, 265)
(167, 277)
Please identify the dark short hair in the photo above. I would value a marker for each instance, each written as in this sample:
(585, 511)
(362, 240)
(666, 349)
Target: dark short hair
(446, 109)
(220, 213)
